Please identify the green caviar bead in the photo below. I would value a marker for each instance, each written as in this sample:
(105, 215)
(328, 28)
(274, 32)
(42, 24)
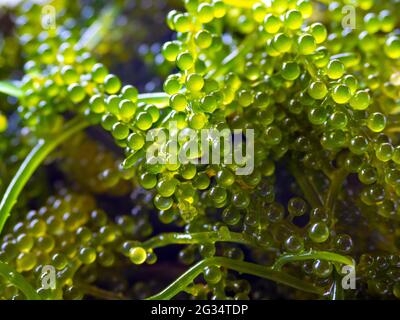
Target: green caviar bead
(319, 32)
(367, 42)
(396, 155)
(188, 171)
(198, 121)
(376, 122)
(45, 243)
(272, 24)
(392, 47)
(163, 203)
(293, 19)
(360, 101)
(201, 181)
(387, 21)
(245, 98)
(135, 141)
(172, 85)
(184, 61)
(137, 255)
(127, 109)
(218, 194)
(341, 94)
(130, 92)
(273, 135)
(318, 232)
(317, 115)
(108, 121)
(203, 39)
(87, 255)
(219, 9)
(297, 207)
(209, 103)
(279, 6)
(106, 258)
(76, 93)
(205, 13)
(358, 145)
(171, 50)
(182, 22)
(317, 90)
(99, 73)
(3, 123)
(335, 69)
(306, 44)
(351, 82)
(120, 131)
(322, 268)
(59, 261)
(107, 234)
(144, 121)
(371, 23)
(112, 104)
(97, 104)
(166, 187)
(225, 178)
(24, 242)
(84, 235)
(384, 152)
(194, 82)
(148, 180)
(112, 84)
(69, 75)
(338, 120)
(26, 261)
(290, 71)
(37, 227)
(294, 244)
(282, 43)
(153, 111)
(212, 274)
(367, 175)
(305, 7)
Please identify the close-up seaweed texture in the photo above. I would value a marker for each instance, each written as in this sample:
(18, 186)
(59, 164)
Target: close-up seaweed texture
(200, 149)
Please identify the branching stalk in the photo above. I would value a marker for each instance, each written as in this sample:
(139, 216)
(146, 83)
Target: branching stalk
(188, 277)
(337, 180)
(312, 255)
(166, 239)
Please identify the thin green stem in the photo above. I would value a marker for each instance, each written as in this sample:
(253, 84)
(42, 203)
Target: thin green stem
(10, 88)
(32, 162)
(188, 277)
(166, 239)
(312, 255)
(337, 180)
(18, 281)
(230, 61)
(159, 99)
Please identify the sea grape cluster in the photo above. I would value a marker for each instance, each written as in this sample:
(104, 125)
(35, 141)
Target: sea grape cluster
(321, 97)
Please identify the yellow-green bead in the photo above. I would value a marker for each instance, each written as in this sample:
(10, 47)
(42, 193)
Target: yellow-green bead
(137, 255)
